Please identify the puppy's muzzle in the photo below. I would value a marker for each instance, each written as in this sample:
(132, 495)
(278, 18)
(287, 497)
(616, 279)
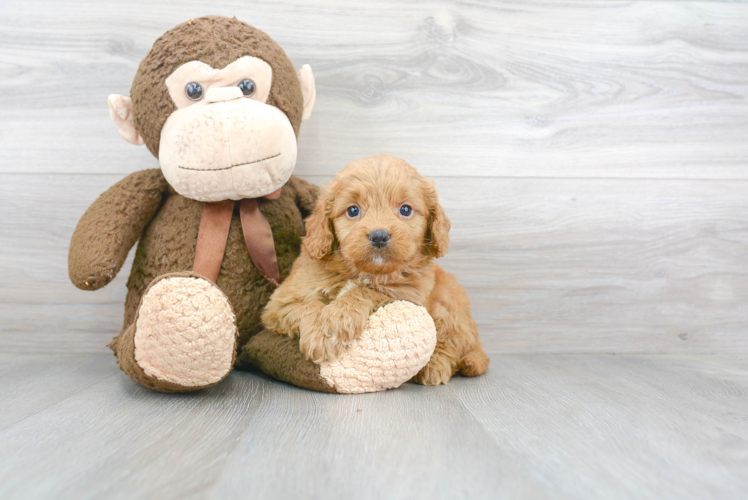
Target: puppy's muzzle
(379, 238)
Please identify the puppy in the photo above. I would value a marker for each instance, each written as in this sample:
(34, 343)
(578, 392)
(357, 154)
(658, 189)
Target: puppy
(372, 239)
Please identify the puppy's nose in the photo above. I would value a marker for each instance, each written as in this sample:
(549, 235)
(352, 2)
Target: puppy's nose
(379, 238)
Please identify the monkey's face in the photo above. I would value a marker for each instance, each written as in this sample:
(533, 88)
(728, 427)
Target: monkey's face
(224, 141)
(220, 104)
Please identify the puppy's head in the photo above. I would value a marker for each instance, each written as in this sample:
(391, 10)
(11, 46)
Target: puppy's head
(380, 215)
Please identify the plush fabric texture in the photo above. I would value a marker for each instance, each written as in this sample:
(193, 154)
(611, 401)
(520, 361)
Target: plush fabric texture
(168, 245)
(144, 205)
(185, 332)
(280, 357)
(397, 342)
(222, 82)
(111, 226)
(216, 41)
(123, 347)
(175, 339)
(232, 160)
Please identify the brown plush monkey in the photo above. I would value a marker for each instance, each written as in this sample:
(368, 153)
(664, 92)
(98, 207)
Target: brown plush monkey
(219, 104)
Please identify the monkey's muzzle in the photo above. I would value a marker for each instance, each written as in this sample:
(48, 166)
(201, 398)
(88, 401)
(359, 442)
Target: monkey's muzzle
(229, 149)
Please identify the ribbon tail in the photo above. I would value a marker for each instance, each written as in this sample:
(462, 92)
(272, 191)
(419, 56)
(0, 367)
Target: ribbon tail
(215, 223)
(259, 240)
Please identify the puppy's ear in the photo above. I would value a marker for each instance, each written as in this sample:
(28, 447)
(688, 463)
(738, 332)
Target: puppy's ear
(437, 233)
(319, 236)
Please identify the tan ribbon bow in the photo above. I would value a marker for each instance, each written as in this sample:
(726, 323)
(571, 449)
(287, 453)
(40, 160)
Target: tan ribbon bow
(214, 231)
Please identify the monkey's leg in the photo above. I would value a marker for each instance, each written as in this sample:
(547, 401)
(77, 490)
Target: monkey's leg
(183, 337)
(397, 342)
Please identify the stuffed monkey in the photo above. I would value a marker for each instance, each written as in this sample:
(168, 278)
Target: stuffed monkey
(219, 104)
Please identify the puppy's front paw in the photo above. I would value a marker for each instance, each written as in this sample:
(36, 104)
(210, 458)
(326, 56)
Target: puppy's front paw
(316, 344)
(342, 323)
(437, 371)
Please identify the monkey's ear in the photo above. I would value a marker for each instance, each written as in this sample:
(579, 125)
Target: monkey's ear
(120, 110)
(308, 90)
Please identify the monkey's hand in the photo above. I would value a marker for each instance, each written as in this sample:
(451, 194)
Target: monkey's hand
(111, 226)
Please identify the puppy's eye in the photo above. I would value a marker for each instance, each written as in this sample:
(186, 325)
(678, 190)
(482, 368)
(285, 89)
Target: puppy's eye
(247, 87)
(406, 210)
(352, 212)
(194, 91)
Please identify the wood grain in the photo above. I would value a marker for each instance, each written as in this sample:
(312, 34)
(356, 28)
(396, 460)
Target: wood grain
(619, 427)
(514, 88)
(535, 426)
(592, 155)
(554, 265)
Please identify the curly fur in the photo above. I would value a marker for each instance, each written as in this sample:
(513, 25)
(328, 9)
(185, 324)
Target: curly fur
(340, 279)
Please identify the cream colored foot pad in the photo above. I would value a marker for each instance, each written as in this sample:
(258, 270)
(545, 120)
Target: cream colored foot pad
(185, 332)
(398, 341)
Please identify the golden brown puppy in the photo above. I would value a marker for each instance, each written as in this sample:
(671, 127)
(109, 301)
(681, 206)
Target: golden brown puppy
(372, 239)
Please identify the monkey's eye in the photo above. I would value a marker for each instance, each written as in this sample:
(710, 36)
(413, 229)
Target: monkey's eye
(247, 86)
(352, 212)
(194, 91)
(406, 210)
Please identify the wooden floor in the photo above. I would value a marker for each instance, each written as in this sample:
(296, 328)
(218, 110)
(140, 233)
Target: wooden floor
(536, 426)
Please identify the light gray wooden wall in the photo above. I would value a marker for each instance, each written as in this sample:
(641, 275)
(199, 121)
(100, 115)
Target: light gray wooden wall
(592, 155)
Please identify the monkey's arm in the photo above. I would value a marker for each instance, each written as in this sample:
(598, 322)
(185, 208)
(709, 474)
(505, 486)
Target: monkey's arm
(306, 194)
(111, 226)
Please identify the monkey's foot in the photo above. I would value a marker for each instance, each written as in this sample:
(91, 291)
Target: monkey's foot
(397, 342)
(184, 336)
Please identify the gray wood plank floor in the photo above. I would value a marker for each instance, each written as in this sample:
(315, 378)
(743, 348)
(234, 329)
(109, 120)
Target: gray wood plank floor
(536, 426)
